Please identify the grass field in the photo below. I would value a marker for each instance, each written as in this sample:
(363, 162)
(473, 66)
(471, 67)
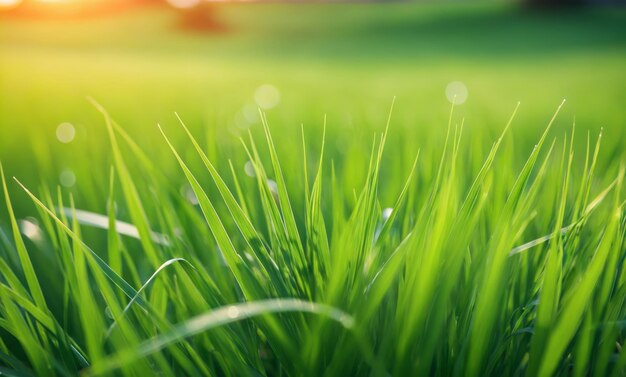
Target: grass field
(320, 207)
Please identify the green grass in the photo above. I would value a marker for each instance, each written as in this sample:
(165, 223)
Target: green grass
(341, 232)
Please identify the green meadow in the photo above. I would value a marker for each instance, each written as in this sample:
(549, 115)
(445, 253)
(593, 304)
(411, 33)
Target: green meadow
(314, 189)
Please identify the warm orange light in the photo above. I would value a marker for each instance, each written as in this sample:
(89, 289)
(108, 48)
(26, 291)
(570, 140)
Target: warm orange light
(61, 8)
(69, 2)
(9, 3)
(182, 4)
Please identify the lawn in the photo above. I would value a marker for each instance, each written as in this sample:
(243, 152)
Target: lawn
(329, 211)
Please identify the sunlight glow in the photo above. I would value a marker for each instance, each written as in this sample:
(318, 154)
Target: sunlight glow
(9, 3)
(183, 4)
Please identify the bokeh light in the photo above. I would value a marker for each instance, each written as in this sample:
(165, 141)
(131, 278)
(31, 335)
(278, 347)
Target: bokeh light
(387, 214)
(273, 186)
(248, 168)
(456, 92)
(267, 96)
(65, 132)
(189, 195)
(67, 178)
(30, 228)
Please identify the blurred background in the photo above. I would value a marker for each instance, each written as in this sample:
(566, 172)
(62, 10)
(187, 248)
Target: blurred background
(216, 63)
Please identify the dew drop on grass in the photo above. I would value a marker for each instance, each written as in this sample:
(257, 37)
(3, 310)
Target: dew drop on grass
(67, 178)
(456, 92)
(267, 96)
(65, 132)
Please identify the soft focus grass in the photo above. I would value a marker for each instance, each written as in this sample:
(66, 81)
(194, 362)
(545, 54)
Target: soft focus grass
(430, 289)
(346, 61)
